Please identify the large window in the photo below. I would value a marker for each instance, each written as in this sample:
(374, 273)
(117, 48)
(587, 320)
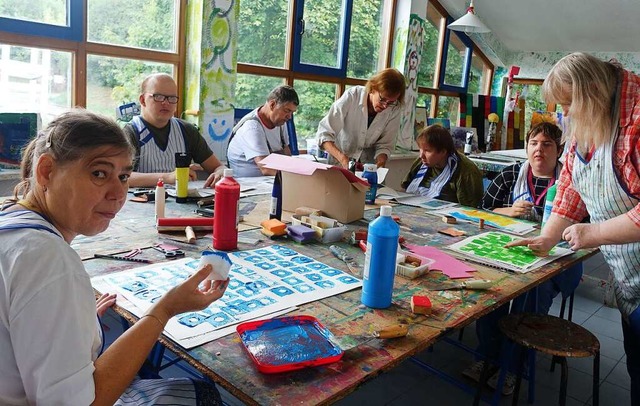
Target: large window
(47, 67)
(333, 43)
(47, 12)
(35, 80)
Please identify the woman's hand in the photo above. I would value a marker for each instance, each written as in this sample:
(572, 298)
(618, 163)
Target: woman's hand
(190, 296)
(582, 235)
(539, 245)
(104, 302)
(520, 208)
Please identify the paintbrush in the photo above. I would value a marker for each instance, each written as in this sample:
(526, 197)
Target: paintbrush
(121, 258)
(349, 341)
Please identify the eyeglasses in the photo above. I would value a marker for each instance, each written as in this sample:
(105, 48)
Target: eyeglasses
(161, 98)
(385, 102)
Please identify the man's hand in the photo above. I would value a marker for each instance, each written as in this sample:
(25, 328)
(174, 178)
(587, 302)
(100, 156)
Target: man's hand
(215, 176)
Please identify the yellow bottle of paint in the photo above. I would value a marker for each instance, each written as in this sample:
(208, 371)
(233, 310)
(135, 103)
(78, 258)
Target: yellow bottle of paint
(182, 176)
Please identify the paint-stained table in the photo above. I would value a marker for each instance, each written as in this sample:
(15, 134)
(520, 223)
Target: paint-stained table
(225, 361)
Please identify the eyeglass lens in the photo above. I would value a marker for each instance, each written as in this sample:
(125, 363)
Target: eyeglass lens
(161, 98)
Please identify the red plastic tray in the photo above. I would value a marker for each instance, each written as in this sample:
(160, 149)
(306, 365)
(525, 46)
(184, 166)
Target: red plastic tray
(288, 343)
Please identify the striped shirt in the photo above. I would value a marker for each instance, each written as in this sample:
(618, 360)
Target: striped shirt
(626, 159)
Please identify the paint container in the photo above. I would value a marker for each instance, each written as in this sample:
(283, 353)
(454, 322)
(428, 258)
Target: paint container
(160, 199)
(226, 213)
(220, 263)
(275, 209)
(380, 260)
(548, 204)
(371, 175)
(183, 160)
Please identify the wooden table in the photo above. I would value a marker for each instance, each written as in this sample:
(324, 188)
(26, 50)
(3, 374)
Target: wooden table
(225, 361)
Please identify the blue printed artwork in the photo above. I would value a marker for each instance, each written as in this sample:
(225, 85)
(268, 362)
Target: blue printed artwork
(262, 281)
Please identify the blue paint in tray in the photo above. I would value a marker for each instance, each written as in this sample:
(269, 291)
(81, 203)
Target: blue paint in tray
(288, 343)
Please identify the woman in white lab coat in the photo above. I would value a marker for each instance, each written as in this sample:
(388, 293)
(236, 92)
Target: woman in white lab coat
(363, 123)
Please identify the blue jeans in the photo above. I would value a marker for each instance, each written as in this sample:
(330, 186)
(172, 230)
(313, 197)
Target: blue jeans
(489, 337)
(631, 333)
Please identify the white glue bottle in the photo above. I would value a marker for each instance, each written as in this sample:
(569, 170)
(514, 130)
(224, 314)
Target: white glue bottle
(160, 199)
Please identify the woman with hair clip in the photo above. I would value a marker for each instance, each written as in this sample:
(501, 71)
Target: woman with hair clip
(600, 178)
(75, 180)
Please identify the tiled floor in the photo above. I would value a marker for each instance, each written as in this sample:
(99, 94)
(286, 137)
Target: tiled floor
(409, 384)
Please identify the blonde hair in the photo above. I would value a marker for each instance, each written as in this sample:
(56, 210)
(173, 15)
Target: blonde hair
(588, 85)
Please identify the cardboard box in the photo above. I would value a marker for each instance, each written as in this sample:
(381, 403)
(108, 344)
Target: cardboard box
(334, 190)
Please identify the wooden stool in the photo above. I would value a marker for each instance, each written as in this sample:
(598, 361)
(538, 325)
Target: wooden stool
(554, 336)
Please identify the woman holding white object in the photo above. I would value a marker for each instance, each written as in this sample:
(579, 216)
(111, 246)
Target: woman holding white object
(75, 180)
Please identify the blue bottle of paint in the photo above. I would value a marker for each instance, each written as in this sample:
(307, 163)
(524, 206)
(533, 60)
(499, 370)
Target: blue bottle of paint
(275, 208)
(371, 175)
(380, 260)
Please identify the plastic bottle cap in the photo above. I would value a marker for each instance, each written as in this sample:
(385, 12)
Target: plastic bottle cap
(370, 167)
(228, 173)
(160, 183)
(385, 211)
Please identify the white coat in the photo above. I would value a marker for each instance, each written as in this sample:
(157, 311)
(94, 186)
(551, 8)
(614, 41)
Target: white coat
(346, 125)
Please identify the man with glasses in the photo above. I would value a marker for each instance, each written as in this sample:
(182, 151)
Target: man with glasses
(158, 135)
(363, 123)
(262, 132)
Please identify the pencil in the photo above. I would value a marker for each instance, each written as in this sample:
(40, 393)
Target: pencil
(121, 258)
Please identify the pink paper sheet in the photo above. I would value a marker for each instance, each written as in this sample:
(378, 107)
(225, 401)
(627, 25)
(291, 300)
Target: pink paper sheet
(450, 266)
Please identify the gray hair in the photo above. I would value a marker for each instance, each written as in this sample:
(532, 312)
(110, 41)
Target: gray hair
(284, 94)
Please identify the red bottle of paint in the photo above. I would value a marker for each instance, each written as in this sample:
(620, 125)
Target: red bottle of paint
(225, 213)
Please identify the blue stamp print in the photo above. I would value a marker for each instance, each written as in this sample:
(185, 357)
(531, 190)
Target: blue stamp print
(331, 272)
(325, 284)
(281, 273)
(281, 291)
(317, 265)
(346, 279)
(313, 277)
(304, 288)
(292, 280)
(301, 259)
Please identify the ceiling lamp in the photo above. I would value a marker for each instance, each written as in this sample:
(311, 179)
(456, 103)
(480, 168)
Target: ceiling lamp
(469, 22)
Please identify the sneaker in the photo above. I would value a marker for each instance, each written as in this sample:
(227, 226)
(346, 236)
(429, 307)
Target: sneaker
(509, 383)
(474, 371)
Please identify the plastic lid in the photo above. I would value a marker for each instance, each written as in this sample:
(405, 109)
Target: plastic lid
(385, 211)
(228, 173)
(370, 167)
(160, 183)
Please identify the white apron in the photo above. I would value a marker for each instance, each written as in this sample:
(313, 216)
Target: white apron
(152, 157)
(605, 198)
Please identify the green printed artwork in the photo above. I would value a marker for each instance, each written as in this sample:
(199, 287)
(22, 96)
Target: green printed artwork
(489, 249)
(491, 245)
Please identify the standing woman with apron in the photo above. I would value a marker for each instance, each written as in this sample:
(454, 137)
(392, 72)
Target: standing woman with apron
(601, 178)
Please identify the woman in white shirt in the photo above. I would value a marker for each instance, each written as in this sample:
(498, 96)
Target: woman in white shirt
(75, 180)
(364, 122)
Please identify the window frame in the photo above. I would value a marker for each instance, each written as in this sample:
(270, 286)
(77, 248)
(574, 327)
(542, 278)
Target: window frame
(81, 48)
(466, 41)
(72, 31)
(343, 43)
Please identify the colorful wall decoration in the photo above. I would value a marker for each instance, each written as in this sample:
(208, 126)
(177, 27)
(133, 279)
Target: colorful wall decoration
(211, 68)
(413, 55)
(474, 112)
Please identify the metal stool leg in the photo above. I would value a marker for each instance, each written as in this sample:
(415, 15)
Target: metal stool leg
(571, 306)
(521, 358)
(563, 381)
(596, 379)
